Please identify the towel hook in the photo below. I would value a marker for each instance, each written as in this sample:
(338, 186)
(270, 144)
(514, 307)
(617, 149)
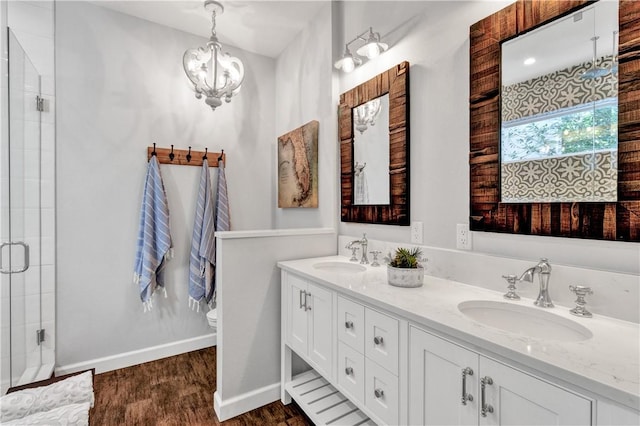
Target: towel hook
(221, 155)
(171, 155)
(154, 150)
(189, 155)
(204, 157)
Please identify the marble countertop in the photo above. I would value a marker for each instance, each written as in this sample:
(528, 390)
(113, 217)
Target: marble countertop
(607, 364)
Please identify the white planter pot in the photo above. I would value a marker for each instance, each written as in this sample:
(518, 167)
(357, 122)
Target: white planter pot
(405, 277)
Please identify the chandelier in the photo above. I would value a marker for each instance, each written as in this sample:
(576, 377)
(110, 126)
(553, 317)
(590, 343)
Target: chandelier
(366, 115)
(214, 74)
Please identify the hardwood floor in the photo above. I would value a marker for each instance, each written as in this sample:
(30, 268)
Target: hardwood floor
(175, 391)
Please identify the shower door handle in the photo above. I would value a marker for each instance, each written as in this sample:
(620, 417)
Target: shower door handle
(25, 246)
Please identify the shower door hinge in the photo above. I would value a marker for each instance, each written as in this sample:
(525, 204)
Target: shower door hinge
(39, 336)
(39, 103)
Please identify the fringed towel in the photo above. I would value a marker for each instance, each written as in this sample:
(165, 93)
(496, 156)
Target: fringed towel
(222, 211)
(154, 236)
(222, 202)
(202, 244)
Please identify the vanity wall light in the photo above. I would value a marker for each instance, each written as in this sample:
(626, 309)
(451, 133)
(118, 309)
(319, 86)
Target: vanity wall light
(371, 48)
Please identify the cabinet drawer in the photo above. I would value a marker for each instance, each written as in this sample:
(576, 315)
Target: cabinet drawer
(381, 393)
(381, 339)
(351, 372)
(351, 323)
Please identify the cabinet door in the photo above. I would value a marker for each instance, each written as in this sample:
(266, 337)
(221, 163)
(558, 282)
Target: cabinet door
(436, 378)
(610, 415)
(297, 325)
(518, 399)
(381, 393)
(320, 304)
(351, 372)
(351, 323)
(381, 341)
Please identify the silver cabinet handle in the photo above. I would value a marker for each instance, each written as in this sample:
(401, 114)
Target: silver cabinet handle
(348, 371)
(377, 340)
(26, 257)
(307, 307)
(466, 396)
(301, 302)
(2, 270)
(486, 408)
(348, 324)
(378, 393)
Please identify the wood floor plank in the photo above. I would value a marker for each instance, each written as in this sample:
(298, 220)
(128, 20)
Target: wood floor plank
(175, 391)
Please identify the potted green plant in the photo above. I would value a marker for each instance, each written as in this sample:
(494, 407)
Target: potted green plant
(404, 268)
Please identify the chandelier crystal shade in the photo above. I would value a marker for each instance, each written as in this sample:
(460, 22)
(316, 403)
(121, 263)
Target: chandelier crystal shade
(366, 115)
(212, 73)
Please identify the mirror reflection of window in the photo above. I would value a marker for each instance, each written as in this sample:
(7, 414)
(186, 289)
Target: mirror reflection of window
(371, 152)
(559, 127)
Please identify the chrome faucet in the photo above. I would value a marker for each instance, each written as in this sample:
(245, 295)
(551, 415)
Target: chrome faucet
(363, 243)
(543, 269)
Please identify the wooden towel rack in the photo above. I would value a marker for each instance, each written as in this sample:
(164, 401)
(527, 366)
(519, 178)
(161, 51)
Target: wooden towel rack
(183, 157)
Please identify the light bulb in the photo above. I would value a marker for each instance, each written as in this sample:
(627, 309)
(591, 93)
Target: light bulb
(372, 50)
(348, 64)
(202, 71)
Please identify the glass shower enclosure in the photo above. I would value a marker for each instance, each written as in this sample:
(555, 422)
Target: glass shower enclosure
(25, 354)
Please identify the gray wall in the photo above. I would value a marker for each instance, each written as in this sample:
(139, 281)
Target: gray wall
(305, 92)
(121, 87)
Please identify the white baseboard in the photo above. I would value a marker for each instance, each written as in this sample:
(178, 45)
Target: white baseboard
(140, 356)
(246, 402)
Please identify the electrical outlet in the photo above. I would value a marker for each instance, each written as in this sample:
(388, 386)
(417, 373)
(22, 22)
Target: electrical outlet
(416, 232)
(463, 237)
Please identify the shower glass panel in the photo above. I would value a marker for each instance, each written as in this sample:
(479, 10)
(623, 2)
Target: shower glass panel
(21, 219)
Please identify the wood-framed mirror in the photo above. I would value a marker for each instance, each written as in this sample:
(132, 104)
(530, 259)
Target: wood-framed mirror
(618, 220)
(375, 186)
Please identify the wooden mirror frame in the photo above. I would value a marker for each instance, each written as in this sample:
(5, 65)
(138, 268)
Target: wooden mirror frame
(395, 82)
(604, 221)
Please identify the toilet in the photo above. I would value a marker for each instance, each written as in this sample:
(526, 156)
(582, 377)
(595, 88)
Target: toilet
(212, 318)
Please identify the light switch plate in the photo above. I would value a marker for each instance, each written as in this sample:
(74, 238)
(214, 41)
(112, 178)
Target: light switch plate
(416, 233)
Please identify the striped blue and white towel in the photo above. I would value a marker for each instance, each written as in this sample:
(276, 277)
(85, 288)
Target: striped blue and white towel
(223, 222)
(202, 244)
(154, 236)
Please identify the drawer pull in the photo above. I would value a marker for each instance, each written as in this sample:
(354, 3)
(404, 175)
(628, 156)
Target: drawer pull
(348, 324)
(466, 396)
(379, 393)
(486, 408)
(348, 371)
(378, 340)
(302, 302)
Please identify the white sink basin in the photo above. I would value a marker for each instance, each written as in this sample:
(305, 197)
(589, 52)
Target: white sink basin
(524, 320)
(340, 267)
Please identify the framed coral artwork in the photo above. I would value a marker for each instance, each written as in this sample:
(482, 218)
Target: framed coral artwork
(298, 167)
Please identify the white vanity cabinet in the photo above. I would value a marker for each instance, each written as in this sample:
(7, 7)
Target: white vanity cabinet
(368, 359)
(309, 311)
(451, 385)
(416, 362)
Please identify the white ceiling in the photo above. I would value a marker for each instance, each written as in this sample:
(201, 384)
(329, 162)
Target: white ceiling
(260, 26)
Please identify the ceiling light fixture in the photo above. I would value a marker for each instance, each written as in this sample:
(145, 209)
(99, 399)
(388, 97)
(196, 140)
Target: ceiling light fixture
(372, 48)
(530, 61)
(366, 115)
(214, 74)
